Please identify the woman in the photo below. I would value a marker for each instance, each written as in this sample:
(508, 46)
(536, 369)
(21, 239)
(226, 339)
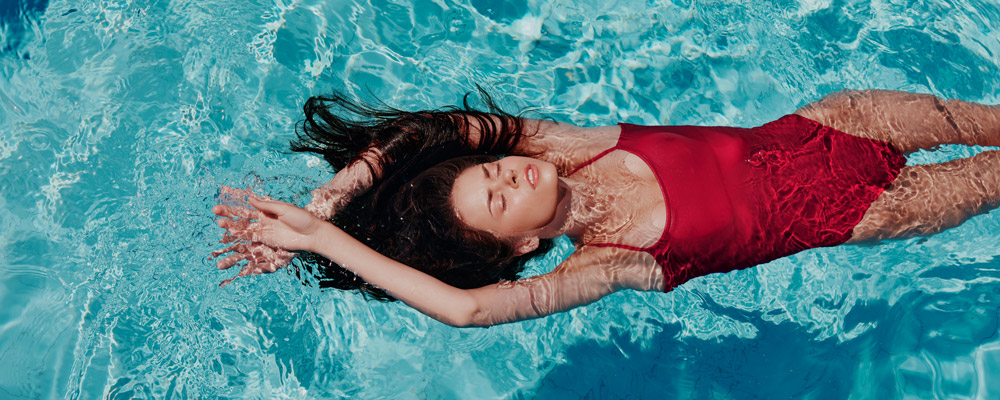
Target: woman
(647, 207)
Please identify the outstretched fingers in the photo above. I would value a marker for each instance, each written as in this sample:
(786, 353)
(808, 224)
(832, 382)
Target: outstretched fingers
(243, 272)
(227, 238)
(231, 195)
(230, 261)
(260, 259)
(267, 259)
(248, 219)
(278, 260)
(231, 212)
(271, 208)
(239, 230)
(239, 248)
(261, 267)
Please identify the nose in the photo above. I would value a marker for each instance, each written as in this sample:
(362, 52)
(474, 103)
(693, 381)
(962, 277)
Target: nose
(506, 178)
(510, 178)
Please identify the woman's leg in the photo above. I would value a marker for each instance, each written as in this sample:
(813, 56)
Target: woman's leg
(925, 199)
(908, 121)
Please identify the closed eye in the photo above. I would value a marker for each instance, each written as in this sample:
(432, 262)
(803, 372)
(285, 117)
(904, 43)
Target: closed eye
(489, 193)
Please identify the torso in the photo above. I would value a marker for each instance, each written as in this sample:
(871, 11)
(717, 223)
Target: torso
(685, 201)
(638, 222)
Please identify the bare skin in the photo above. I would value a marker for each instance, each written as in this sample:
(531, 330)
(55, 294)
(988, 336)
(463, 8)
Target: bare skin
(910, 121)
(922, 200)
(926, 199)
(326, 201)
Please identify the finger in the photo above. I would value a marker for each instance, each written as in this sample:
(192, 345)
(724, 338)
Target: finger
(232, 233)
(258, 268)
(281, 259)
(230, 261)
(228, 211)
(222, 210)
(231, 195)
(268, 259)
(272, 208)
(238, 230)
(233, 225)
(285, 255)
(227, 238)
(235, 247)
(269, 267)
(243, 272)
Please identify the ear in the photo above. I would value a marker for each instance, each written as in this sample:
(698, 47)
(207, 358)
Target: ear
(526, 245)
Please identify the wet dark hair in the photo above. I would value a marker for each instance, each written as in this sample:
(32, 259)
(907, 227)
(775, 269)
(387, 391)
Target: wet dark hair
(400, 135)
(408, 215)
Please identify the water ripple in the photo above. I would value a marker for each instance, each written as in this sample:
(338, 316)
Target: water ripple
(119, 120)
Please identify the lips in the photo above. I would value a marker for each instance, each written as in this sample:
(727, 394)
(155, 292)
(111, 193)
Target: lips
(531, 174)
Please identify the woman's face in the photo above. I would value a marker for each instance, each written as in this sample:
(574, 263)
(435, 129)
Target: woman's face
(508, 196)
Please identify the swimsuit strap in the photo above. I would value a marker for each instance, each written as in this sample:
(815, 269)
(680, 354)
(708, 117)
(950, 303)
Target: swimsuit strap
(591, 161)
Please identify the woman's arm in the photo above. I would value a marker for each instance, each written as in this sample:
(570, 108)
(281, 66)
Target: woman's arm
(585, 277)
(369, 152)
(417, 289)
(588, 275)
(351, 181)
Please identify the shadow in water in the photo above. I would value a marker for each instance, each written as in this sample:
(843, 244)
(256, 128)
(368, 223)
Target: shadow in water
(900, 350)
(14, 17)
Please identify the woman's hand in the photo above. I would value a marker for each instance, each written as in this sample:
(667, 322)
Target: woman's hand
(262, 235)
(274, 223)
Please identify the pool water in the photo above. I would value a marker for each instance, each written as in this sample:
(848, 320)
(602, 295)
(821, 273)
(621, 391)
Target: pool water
(121, 118)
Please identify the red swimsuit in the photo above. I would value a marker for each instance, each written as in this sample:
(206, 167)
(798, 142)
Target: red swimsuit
(738, 197)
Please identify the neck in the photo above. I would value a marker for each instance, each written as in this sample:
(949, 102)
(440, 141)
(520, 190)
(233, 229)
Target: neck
(587, 207)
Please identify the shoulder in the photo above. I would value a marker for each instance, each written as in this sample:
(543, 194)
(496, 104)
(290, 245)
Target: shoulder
(567, 145)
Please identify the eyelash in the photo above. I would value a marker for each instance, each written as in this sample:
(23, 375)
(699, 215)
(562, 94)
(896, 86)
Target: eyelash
(503, 199)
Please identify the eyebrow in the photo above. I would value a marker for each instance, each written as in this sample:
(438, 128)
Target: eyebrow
(489, 194)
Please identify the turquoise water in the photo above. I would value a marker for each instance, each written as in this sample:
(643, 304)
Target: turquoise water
(121, 118)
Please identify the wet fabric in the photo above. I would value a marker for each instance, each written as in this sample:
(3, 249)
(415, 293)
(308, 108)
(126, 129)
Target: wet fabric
(738, 197)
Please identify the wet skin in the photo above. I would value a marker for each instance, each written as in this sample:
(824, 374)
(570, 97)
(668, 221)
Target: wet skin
(508, 196)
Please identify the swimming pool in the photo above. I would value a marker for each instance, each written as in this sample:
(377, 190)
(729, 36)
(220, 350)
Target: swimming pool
(121, 118)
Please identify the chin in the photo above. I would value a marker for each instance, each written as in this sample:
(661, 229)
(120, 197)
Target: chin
(555, 193)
